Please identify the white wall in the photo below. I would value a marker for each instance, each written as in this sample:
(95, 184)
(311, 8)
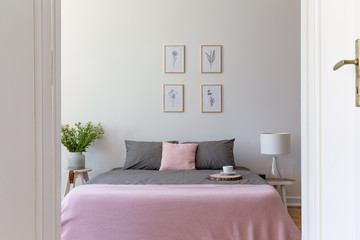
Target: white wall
(112, 72)
(17, 180)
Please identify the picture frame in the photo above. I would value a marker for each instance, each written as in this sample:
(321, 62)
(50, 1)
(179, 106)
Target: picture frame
(174, 59)
(211, 59)
(211, 98)
(173, 98)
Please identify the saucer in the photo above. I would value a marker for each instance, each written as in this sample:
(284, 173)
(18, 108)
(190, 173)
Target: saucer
(231, 173)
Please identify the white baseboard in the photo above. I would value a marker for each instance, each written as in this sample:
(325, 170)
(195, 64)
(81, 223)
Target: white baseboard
(293, 201)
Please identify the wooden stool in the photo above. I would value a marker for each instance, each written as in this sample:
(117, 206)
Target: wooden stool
(73, 175)
(282, 182)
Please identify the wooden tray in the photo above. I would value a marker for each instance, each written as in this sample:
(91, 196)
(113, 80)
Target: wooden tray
(220, 177)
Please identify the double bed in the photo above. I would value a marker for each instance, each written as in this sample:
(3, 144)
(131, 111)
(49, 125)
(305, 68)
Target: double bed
(134, 204)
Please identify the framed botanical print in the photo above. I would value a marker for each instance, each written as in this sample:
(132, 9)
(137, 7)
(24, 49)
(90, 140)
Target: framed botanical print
(173, 98)
(174, 58)
(210, 58)
(211, 98)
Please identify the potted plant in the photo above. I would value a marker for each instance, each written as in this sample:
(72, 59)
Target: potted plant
(76, 140)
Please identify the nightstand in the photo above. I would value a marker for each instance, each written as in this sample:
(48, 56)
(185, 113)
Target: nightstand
(73, 175)
(281, 182)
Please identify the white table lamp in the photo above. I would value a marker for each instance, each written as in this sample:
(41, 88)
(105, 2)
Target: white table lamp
(275, 144)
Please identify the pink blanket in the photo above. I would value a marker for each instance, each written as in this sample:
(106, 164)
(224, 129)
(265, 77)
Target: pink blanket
(164, 212)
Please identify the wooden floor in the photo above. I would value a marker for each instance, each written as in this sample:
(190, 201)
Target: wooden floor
(295, 214)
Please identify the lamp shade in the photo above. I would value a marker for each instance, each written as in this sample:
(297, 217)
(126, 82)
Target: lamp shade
(275, 143)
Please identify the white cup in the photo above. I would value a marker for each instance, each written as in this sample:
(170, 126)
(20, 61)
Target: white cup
(227, 169)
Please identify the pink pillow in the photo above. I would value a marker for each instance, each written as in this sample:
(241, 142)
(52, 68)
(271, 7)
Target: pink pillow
(178, 156)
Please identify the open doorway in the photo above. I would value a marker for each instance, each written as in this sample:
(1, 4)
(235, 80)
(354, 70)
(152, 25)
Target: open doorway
(112, 72)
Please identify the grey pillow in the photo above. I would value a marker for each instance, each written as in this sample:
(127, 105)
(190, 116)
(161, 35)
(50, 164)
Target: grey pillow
(143, 155)
(215, 154)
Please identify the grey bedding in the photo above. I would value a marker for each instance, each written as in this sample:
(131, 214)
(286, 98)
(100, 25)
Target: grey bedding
(133, 176)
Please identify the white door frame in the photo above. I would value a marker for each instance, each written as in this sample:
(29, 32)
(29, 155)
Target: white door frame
(47, 39)
(311, 151)
(47, 118)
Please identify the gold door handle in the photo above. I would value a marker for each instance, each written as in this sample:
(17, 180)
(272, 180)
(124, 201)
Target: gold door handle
(357, 72)
(343, 62)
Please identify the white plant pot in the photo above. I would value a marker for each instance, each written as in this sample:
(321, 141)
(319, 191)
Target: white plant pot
(76, 161)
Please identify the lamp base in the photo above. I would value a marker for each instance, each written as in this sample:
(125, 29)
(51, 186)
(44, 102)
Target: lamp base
(275, 169)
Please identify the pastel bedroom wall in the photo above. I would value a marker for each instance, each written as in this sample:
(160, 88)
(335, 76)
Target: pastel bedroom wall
(112, 72)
